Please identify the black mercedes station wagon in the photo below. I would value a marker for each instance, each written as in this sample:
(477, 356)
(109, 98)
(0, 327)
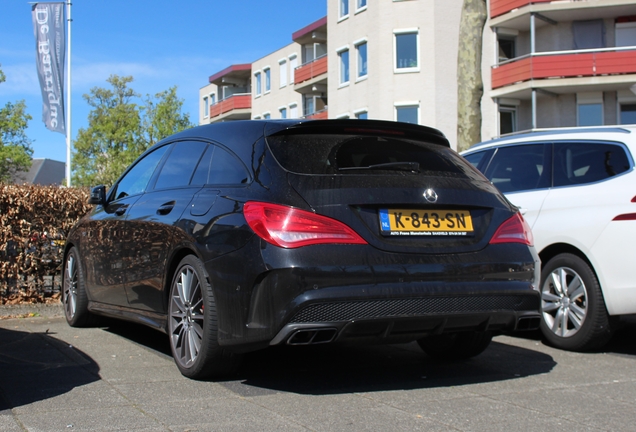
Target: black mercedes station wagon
(236, 236)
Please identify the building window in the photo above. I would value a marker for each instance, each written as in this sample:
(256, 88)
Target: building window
(406, 50)
(344, 8)
(257, 80)
(407, 113)
(507, 47)
(268, 81)
(293, 111)
(362, 115)
(628, 113)
(590, 114)
(362, 59)
(293, 63)
(344, 66)
(507, 119)
(361, 4)
(625, 34)
(283, 72)
(212, 99)
(206, 107)
(283, 112)
(309, 105)
(267, 116)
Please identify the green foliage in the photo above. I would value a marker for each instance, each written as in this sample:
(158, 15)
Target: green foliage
(120, 129)
(15, 147)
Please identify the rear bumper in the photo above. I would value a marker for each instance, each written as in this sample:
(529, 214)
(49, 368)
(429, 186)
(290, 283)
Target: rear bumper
(365, 295)
(394, 321)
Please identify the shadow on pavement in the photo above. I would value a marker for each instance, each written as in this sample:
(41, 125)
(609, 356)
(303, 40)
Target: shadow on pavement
(333, 369)
(37, 366)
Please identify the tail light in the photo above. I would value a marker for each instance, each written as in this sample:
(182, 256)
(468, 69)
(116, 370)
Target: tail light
(289, 227)
(514, 230)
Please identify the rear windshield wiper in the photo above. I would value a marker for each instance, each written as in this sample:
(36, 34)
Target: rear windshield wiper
(394, 166)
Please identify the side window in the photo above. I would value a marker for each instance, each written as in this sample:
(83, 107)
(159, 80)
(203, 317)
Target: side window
(580, 163)
(479, 159)
(521, 167)
(178, 168)
(136, 180)
(218, 166)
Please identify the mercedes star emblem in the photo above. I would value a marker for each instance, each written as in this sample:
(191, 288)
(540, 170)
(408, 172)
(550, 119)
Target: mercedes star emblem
(430, 195)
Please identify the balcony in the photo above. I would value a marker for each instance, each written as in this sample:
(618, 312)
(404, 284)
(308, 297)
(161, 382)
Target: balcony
(602, 67)
(500, 7)
(515, 14)
(235, 107)
(318, 115)
(310, 74)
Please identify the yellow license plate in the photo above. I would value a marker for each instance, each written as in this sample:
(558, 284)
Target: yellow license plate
(425, 222)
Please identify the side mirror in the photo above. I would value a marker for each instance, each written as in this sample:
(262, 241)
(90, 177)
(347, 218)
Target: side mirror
(98, 195)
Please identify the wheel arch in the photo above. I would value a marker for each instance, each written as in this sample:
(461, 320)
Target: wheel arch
(171, 268)
(555, 249)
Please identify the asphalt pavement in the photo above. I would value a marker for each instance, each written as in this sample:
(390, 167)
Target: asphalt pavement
(121, 376)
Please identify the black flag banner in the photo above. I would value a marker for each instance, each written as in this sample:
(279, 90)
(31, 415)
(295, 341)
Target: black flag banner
(50, 43)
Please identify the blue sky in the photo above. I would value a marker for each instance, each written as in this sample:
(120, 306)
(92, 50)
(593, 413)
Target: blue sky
(160, 43)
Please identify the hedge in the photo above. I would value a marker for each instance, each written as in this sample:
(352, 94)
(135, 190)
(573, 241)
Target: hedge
(34, 222)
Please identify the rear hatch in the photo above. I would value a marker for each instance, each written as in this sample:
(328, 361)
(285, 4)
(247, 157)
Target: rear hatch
(401, 190)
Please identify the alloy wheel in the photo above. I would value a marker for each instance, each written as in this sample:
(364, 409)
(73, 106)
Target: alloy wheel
(186, 316)
(564, 302)
(70, 287)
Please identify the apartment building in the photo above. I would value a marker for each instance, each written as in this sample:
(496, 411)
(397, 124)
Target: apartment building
(558, 63)
(544, 64)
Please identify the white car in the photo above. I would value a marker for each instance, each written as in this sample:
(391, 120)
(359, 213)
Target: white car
(577, 190)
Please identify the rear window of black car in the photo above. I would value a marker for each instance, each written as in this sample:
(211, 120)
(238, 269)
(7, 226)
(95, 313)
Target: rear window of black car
(360, 154)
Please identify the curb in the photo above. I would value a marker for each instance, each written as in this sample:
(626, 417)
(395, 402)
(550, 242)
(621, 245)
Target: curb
(45, 310)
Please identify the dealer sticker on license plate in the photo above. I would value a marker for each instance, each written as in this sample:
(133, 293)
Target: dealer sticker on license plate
(425, 222)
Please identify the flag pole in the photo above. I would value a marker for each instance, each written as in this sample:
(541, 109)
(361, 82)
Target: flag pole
(68, 95)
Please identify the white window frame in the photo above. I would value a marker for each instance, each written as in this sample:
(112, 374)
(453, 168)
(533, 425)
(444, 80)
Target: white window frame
(267, 72)
(340, 51)
(212, 99)
(282, 72)
(360, 8)
(206, 107)
(343, 116)
(357, 44)
(357, 112)
(343, 16)
(407, 104)
(293, 64)
(267, 115)
(258, 88)
(397, 33)
(293, 110)
(280, 111)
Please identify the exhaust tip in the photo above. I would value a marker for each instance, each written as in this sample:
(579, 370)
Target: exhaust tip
(312, 336)
(528, 323)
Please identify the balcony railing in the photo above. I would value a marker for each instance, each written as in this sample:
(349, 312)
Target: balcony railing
(310, 70)
(234, 102)
(318, 115)
(565, 64)
(500, 7)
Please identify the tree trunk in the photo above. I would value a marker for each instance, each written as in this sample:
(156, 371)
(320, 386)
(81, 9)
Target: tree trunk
(470, 87)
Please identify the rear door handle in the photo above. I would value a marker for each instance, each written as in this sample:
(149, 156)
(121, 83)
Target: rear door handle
(165, 208)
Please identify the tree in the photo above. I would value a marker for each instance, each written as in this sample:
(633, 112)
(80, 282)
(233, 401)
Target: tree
(119, 129)
(470, 87)
(15, 146)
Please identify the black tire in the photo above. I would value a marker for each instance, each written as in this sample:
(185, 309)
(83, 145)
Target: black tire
(455, 346)
(574, 318)
(192, 325)
(74, 298)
